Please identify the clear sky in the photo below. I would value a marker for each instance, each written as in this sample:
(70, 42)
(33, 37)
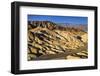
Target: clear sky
(59, 19)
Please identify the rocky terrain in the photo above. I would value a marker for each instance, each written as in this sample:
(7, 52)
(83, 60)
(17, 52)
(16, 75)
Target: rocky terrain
(47, 40)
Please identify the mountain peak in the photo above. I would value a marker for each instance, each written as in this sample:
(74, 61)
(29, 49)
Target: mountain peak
(43, 24)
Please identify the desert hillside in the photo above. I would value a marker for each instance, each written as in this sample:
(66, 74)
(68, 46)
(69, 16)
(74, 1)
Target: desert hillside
(48, 40)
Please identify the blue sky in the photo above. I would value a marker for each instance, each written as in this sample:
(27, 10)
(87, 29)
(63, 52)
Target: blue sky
(59, 19)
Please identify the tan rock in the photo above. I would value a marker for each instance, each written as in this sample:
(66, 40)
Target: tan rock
(72, 57)
(85, 38)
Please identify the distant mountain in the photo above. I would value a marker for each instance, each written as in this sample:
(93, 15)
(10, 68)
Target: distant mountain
(83, 26)
(47, 39)
(71, 24)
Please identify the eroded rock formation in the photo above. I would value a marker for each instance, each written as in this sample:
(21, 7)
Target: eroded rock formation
(46, 38)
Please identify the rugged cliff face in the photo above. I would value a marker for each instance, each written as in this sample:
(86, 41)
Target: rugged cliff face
(47, 40)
